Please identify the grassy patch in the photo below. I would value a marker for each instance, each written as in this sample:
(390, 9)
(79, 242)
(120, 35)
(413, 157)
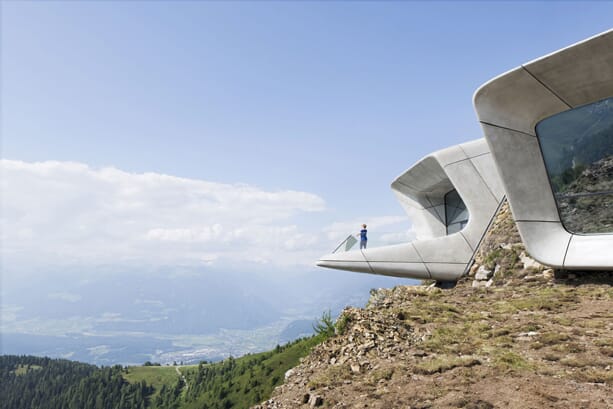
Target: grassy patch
(382, 373)
(463, 338)
(445, 363)
(24, 369)
(607, 351)
(568, 348)
(594, 376)
(531, 326)
(581, 361)
(510, 361)
(550, 338)
(500, 332)
(551, 357)
(156, 376)
(592, 324)
(334, 375)
(565, 321)
(604, 342)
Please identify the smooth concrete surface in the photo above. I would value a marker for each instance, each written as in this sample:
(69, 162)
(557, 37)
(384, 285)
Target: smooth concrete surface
(578, 73)
(546, 242)
(591, 252)
(475, 148)
(496, 102)
(450, 155)
(448, 249)
(404, 269)
(487, 170)
(524, 177)
(445, 271)
(355, 266)
(509, 107)
(405, 252)
(421, 191)
(465, 176)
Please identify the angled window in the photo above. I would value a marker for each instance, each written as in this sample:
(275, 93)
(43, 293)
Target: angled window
(456, 214)
(577, 147)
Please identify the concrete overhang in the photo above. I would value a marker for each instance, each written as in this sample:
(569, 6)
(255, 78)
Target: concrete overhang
(509, 107)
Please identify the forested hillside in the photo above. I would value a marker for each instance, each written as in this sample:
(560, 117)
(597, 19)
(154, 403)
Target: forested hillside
(32, 383)
(234, 383)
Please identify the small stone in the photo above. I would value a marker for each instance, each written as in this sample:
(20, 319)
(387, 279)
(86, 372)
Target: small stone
(530, 264)
(483, 274)
(355, 368)
(289, 373)
(316, 400)
(473, 269)
(477, 284)
(548, 274)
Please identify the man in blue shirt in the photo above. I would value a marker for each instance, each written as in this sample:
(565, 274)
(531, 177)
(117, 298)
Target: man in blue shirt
(363, 238)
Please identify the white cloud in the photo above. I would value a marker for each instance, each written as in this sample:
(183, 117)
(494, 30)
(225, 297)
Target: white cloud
(8, 313)
(99, 350)
(66, 213)
(65, 296)
(57, 214)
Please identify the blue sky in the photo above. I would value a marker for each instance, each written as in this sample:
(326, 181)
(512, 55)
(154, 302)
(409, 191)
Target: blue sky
(328, 100)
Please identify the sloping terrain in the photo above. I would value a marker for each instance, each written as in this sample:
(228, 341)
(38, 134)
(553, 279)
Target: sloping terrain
(514, 334)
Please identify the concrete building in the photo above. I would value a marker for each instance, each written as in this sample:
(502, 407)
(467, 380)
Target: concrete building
(548, 147)
(452, 194)
(549, 125)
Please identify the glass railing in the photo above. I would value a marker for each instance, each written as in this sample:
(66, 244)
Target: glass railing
(346, 244)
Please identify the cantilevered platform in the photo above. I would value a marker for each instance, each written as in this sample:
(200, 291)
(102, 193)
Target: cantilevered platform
(452, 195)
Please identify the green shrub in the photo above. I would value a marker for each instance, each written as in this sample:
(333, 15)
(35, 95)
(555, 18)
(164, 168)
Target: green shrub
(325, 325)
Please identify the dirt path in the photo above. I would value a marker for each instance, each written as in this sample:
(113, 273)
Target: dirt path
(182, 377)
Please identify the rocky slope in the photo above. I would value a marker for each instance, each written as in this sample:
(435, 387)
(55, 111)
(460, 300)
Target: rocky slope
(513, 334)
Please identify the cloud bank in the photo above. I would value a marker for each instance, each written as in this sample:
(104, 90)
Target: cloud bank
(66, 213)
(70, 214)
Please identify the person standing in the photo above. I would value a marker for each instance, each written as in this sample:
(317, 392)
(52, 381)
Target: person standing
(363, 238)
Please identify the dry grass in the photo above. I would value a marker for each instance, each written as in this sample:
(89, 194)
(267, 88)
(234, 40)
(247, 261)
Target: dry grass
(445, 363)
(333, 375)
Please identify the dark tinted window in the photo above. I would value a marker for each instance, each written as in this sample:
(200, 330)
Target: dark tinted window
(456, 214)
(577, 147)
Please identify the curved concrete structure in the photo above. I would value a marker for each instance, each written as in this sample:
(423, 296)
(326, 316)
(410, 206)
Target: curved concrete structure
(424, 191)
(511, 106)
